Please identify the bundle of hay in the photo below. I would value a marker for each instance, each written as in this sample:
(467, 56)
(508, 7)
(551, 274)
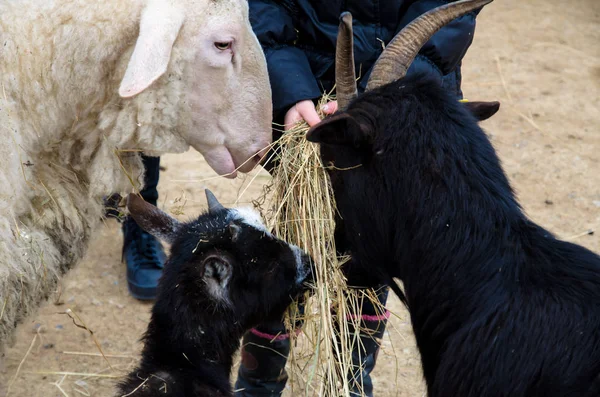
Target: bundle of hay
(303, 213)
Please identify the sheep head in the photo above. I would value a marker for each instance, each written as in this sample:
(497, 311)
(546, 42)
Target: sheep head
(227, 104)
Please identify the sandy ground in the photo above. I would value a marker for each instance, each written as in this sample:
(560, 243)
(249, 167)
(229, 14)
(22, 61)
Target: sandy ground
(540, 58)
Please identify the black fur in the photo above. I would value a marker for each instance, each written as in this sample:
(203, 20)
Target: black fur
(499, 306)
(483, 110)
(192, 335)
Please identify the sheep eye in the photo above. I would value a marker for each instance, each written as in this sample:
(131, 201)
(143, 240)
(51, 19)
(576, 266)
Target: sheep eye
(223, 45)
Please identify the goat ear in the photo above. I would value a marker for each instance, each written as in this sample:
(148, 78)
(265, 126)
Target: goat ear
(159, 26)
(339, 129)
(216, 273)
(151, 219)
(483, 110)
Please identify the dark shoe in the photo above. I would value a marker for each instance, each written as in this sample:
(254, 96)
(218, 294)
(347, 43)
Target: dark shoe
(145, 260)
(111, 206)
(262, 370)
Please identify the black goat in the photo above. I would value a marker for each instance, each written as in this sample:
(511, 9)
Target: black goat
(226, 273)
(499, 306)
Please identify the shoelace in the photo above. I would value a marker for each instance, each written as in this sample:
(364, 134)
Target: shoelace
(145, 250)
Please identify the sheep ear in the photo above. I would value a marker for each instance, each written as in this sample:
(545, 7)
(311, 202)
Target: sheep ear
(216, 273)
(151, 219)
(159, 27)
(483, 110)
(340, 129)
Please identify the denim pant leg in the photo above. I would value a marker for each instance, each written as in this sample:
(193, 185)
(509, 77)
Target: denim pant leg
(152, 167)
(149, 193)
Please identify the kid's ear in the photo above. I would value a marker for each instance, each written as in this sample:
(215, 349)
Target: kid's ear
(483, 110)
(151, 219)
(340, 129)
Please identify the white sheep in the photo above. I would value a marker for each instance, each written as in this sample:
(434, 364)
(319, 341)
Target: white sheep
(84, 86)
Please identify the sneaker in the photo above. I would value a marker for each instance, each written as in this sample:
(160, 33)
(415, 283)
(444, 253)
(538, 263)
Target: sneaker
(145, 260)
(111, 206)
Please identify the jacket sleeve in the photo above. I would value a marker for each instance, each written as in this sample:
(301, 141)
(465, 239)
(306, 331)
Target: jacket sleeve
(290, 74)
(441, 56)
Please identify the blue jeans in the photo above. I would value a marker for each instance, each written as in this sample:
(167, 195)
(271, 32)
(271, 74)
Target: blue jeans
(152, 167)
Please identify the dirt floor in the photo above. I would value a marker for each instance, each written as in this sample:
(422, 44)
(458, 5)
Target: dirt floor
(540, 58)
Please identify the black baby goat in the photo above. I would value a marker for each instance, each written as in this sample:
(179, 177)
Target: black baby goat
(226, 273)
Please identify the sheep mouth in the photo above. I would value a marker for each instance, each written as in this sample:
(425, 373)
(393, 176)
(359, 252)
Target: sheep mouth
(220, 159)
(251, 162)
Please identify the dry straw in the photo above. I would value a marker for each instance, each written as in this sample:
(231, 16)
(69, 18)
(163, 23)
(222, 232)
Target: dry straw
(303, 213)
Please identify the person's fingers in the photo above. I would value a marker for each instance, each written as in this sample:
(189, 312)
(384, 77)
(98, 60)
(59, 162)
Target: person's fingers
(303, 110)
(291, 118)
(330, 107)
(309, 113)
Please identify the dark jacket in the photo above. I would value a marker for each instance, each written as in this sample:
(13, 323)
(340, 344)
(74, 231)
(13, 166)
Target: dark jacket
(299, 36)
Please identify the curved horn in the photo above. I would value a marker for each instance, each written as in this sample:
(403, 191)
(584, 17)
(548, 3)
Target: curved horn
(345, 78)
(395, 60)
(213, 203)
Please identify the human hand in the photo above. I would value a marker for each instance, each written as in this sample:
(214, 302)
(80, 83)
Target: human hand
(330, 107)
(305, 110)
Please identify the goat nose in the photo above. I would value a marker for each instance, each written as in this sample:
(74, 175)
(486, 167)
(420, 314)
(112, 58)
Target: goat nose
(310, 275)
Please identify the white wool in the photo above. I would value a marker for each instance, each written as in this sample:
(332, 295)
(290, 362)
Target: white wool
(67, 138)
(250, 217)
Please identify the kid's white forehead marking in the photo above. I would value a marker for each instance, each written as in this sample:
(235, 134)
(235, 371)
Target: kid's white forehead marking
(250, 217)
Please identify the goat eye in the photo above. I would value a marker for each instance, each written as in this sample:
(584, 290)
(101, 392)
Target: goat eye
(223, 45)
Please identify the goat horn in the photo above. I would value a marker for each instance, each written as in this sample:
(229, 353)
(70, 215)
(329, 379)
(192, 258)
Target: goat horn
(345, 78)
(395, 60)
(213, 203)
